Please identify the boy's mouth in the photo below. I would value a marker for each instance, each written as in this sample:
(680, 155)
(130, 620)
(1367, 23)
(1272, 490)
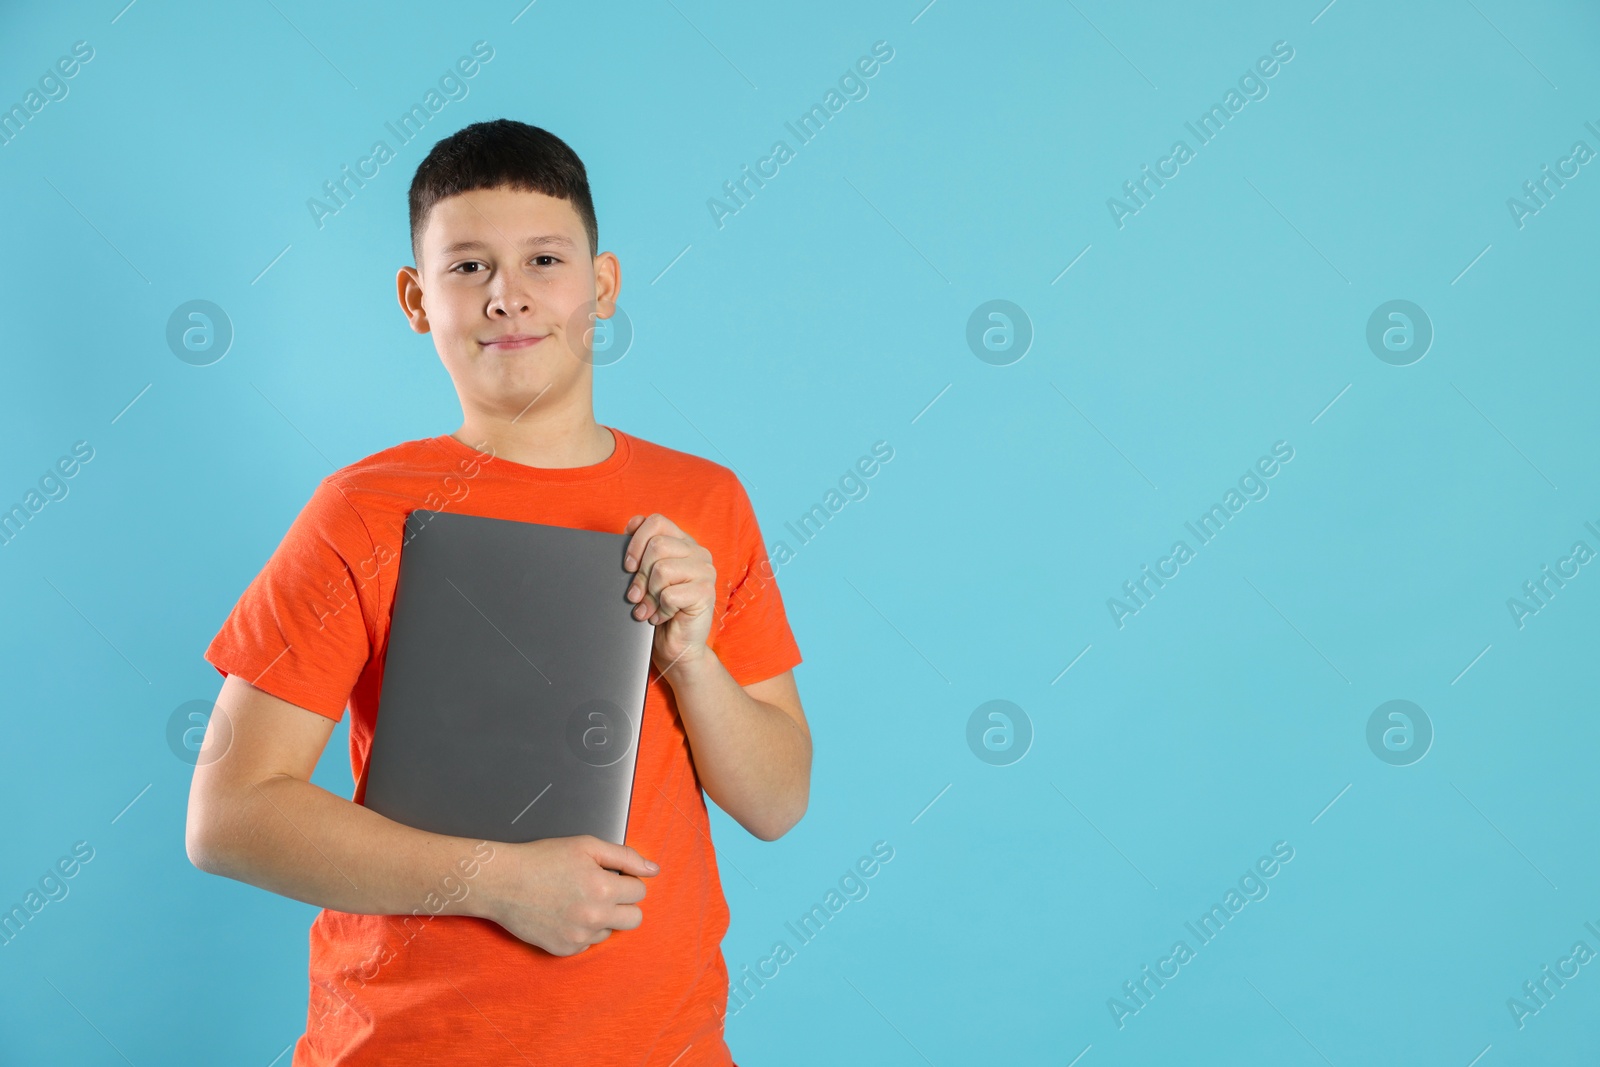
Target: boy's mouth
(510, 341)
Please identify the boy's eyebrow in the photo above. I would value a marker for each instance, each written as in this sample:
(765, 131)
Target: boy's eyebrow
(530, 242)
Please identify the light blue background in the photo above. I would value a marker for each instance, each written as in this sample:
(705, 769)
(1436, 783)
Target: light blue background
(825, 316)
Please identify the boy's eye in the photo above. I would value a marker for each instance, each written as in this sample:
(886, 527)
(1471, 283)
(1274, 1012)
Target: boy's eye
(462, 267)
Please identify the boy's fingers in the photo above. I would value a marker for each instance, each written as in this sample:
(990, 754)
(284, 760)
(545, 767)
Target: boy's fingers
(642, 534)
(655, 549)
(654, 525)
(674, 598)
(669, 588)
(648, 603)
(621, 858)
(661, 573)
(626, 917)
(628, 891)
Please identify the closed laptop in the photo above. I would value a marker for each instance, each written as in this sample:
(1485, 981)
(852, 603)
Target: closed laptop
(514, 682)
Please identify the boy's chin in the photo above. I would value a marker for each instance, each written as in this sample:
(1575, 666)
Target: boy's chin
(516, 399)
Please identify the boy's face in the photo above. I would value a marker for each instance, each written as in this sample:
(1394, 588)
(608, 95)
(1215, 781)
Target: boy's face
(506, 286)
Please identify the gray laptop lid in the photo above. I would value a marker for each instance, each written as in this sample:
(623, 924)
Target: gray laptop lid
(514, 684)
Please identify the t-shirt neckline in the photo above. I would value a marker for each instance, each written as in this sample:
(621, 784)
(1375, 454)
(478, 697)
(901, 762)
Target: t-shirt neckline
(621, 452)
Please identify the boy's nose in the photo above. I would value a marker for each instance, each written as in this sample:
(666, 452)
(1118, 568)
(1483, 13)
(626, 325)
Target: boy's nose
(507, 303)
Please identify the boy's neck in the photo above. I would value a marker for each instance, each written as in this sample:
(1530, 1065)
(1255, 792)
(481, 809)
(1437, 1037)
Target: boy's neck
(550, 440)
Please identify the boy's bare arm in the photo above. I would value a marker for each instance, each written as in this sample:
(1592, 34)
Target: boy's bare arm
(255, 816)
(751, 744)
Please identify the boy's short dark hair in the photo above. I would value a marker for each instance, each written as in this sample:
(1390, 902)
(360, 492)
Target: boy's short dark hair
(486, 155)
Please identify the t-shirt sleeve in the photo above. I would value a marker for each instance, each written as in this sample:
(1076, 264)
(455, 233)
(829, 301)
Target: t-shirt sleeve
(752, 638)
(300, 631)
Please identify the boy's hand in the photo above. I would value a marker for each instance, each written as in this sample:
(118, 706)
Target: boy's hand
(675, 588)
(564, 894)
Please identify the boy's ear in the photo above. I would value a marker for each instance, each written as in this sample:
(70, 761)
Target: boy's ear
(408, 285)
(607, 284)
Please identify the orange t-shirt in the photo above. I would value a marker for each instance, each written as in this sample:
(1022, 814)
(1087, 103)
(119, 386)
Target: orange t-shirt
(313, 629)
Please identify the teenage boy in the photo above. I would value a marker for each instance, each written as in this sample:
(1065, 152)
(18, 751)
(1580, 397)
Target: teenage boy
(439, 950)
